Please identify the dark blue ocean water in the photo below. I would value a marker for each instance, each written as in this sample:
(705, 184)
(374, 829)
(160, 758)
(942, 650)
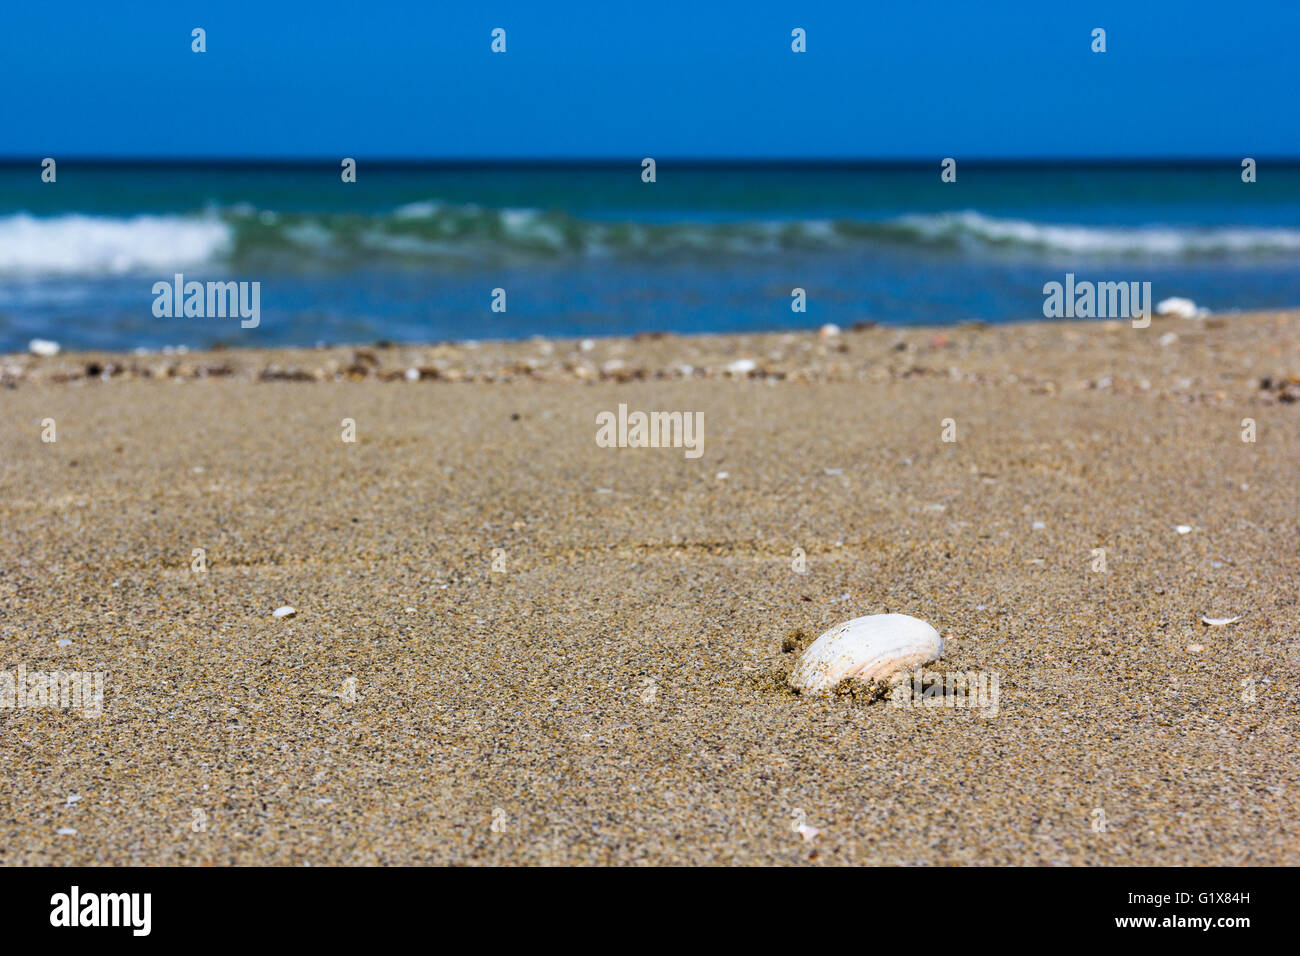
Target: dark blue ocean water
(413, 253)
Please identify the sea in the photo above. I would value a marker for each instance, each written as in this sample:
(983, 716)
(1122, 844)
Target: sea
(417, 252)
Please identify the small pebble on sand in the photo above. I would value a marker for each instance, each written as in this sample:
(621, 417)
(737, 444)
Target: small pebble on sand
(285, 611)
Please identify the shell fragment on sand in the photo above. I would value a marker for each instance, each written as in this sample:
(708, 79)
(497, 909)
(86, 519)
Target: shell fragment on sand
(285, 611)
(1178, 307)
(808, 833)
(1219, 621)
(866, 649)
(43, 347)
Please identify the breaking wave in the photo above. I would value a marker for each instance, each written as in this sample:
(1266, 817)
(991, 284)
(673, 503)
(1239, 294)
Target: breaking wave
(433, 232)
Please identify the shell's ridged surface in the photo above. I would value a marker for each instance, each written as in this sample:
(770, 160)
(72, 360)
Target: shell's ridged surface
(872, 648)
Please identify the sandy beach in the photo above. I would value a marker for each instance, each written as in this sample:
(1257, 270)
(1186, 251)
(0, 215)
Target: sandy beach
(616, 694)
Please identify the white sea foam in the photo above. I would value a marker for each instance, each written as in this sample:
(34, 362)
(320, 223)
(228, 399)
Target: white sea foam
(1158, 241)
(75, 244)
(425, 209)
(92, 246)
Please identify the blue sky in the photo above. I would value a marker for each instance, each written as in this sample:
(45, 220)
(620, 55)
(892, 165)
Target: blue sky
(896, 79)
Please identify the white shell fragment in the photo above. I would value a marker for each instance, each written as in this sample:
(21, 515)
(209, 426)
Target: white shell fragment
(872, 648)
(1183, 528)
(1220, 621)
(285, 611)
(43, 347)
(1177, 307)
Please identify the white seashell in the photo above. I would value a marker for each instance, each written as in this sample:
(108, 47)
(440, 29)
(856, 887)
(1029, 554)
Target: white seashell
(285, 611)
(1219, 621)
(741, 367)
(43, 347)
(1183, 528)
(872, 648)
(1178, 307)
(829, 330)
(808, 833)
(66, 831)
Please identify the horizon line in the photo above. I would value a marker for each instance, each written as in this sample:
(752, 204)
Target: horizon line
(678, 161)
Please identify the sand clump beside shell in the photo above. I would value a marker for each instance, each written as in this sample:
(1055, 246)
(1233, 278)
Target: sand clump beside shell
(867, 650)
